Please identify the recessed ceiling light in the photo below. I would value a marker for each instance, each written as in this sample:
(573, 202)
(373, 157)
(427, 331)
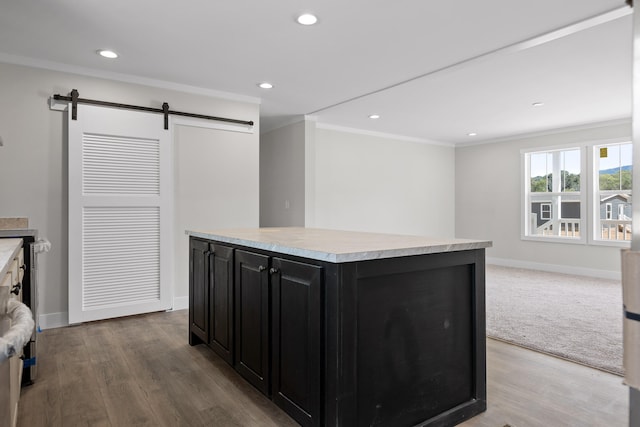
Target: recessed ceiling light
(374, 116)
(538, 104)
(472, 134)
(307, 19)
(105, 53)
(265, 85)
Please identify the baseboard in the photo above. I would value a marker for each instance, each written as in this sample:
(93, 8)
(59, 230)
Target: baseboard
(53, 320)
(180, 303)
(59, 320)
(556, 268)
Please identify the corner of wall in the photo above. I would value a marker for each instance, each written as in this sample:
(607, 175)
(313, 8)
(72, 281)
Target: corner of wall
(309, 172)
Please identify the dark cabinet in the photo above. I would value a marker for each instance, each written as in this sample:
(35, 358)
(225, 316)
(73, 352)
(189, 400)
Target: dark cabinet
(263, 315)
(221, 338)
(296, 318)
(252, 318)
(211, 296)
(198, 291)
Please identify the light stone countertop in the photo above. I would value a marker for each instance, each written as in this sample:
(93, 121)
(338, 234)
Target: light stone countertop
(337, 246)
(9, 248)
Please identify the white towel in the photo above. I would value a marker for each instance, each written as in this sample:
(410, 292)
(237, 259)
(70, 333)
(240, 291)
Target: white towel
(42, 245)
(631, 322)
(12, 341)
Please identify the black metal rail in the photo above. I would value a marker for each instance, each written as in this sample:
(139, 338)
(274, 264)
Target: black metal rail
(75, 100)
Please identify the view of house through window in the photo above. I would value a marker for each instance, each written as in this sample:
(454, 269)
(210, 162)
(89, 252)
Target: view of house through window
(554, 199)
(556, 193)
(612, 164)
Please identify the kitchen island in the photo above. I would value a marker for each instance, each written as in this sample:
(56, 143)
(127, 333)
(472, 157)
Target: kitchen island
(346, 328)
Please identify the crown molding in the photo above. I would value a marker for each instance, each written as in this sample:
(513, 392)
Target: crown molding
(125, 78)
(329, 126)
(546, 132)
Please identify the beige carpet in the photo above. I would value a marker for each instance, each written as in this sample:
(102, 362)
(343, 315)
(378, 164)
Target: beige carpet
(574, 317)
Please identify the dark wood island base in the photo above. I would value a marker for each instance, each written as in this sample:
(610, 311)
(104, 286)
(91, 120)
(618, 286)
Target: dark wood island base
(344, 339)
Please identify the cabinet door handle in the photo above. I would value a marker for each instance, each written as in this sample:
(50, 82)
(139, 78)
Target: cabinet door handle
(273, 271)
(16, 289)
(262, 268)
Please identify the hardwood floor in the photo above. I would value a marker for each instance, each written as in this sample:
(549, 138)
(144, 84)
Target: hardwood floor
(140, 370)
(527, 388)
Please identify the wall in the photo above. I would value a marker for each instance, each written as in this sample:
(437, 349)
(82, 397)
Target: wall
(33, 160)
(379, 184)
(488, 205)
(282, 176)
(209, 193)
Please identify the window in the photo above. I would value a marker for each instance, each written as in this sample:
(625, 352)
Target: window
(554, 202)
(545, 210)
(612, 193)
(564, 204)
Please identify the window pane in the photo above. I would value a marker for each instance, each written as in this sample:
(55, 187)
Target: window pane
(541, 166)
(613, 214)
(615, 166)
(615, 217)
(554, 203)
(570, 170)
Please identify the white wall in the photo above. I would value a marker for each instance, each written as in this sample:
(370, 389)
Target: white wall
(377, 184)
(488, 205)
(216, 186)
(33, 160)
(282, 176)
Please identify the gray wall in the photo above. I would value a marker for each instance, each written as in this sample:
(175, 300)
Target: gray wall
(488, 205)
(216, 186)
(33, 161)
(282, 176)
(382, 184)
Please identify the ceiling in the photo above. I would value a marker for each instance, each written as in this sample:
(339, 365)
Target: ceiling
(434, 71)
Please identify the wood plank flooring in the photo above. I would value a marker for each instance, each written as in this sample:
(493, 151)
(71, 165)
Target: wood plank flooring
(141, 371)
(530, 389)
(138, 371)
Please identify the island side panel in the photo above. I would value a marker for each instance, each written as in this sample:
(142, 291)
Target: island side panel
(340, 345)
(409, 340)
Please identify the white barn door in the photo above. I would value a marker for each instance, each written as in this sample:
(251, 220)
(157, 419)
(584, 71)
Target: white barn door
(119, 214)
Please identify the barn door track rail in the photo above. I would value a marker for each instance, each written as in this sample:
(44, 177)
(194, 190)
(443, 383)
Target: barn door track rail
(74, 98)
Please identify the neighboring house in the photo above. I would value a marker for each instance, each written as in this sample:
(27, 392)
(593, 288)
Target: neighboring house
(616, 207)
(544, 211)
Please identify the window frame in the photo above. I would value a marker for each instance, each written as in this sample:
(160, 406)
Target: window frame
(525, 177)
(594, 192)
(589, 193)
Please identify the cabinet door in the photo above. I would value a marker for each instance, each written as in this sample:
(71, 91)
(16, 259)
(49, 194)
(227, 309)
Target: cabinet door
(252, 318)
(221, 301)
(297, 308)
(198, 291)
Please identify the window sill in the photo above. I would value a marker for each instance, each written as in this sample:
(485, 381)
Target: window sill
(569, 240)
(611, 243)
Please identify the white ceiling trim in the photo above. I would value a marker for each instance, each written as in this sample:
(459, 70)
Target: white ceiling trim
(510, 49)
(125, 78)
(587, 126)
(328, 126)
